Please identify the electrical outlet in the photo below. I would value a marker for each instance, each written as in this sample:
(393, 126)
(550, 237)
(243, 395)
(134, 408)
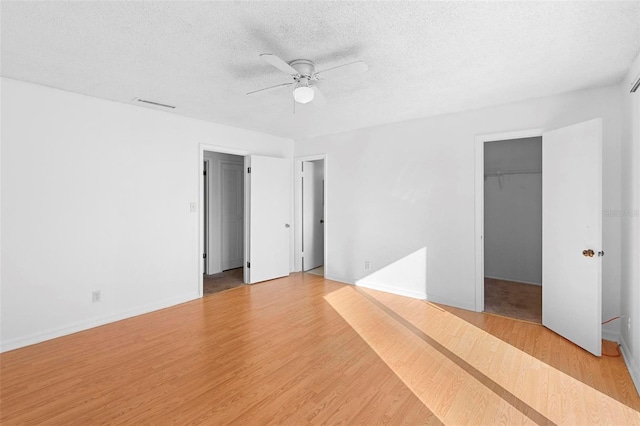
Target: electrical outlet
(629, 323)
(95, 296)
(367, 264)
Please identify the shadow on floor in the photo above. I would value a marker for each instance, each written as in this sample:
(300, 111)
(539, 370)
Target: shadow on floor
(317, 271)
(225, 280)
(514, 300)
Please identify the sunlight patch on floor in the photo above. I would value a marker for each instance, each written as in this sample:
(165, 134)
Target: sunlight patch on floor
(464, 374)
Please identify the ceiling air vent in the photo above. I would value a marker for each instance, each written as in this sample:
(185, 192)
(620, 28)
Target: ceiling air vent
(153, 103)
(635, 85)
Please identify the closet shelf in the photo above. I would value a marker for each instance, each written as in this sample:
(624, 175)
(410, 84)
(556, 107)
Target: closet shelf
(512, 172)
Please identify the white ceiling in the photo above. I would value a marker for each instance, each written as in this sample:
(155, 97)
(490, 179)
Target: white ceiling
(425, 58)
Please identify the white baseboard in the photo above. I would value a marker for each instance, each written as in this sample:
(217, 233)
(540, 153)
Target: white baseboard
(392, 290)
(514, 280)
(53, 333)
(450, 302)
(338, 279)
(632, 365)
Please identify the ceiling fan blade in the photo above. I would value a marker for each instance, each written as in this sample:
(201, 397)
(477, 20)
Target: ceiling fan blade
(270, 88)
(279, 63)
(341, 70)
(318, 97)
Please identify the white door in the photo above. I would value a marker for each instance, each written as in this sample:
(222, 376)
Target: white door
(268, 189)
(312, 214)
(232, 197)
(571, 227)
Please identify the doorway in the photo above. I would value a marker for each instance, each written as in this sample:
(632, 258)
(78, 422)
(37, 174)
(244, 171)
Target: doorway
(266, 207)
(513, 228)
(313, 217)
(572, 248)
(223, 181)
(311, 214)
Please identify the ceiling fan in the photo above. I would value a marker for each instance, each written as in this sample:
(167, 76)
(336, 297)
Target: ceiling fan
(304, 75)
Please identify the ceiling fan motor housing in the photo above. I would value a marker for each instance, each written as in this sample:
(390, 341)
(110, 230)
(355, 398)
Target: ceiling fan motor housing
(305, 67)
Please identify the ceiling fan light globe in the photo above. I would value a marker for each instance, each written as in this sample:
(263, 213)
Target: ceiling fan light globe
(303, 94)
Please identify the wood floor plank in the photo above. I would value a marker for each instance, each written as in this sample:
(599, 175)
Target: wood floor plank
(303, 349)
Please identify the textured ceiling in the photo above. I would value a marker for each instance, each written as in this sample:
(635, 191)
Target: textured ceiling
(424, 58)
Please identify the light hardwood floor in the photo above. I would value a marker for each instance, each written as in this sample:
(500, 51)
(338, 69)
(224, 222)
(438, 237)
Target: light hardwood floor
(308, 350)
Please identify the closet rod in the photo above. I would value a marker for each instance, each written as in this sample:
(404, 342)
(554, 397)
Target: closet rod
(513, 172)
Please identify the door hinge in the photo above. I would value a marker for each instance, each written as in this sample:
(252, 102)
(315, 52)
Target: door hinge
(204, 255)
(248, 169)
(248, 264)
(204, 172)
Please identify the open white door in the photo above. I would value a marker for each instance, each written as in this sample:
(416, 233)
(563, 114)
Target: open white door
(572, 233)
(313, 214)
(268, 189)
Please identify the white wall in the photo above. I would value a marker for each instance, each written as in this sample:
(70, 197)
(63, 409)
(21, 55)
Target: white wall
(396, 189)
(513, 210)
(96, 195)
(628, 214)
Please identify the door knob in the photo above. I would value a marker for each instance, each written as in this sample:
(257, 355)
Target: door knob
(588, 253)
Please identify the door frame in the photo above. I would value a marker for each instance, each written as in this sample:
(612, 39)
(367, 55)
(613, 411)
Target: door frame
(206, 223)
(480, 140)
(297, 219)
(201, 213)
